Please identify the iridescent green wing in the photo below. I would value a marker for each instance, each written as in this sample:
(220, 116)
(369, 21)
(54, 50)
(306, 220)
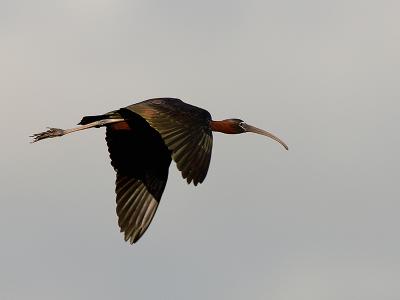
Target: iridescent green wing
(185, 130)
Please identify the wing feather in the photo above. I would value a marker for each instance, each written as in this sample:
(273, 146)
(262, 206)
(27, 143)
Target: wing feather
(185, 130)
(141, 160)
(135, 216)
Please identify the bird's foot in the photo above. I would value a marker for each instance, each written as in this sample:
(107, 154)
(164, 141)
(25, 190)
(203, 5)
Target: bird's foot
(50, 133)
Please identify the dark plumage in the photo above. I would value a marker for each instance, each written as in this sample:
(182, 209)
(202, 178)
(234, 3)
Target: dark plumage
(142, 139)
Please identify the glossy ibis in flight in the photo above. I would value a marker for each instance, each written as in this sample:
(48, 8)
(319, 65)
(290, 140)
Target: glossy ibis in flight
(142, 140)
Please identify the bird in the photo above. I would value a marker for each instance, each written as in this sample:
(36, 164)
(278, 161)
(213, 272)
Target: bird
(143, 139)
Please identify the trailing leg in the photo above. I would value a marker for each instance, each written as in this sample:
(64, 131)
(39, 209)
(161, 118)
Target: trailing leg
(54, 132)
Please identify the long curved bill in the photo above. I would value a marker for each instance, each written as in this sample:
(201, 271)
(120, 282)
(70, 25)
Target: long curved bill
(250, 128)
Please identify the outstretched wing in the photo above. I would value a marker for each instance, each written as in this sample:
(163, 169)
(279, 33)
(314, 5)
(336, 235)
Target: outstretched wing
(185, 130)
(141, 160)
(136, 207)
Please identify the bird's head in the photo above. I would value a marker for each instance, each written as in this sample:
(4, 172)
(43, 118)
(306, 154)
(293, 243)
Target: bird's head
(236, 126)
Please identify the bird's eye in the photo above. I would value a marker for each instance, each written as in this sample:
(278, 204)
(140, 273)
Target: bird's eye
(241, 125)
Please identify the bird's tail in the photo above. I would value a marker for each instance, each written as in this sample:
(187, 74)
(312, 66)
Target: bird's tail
(90, 119)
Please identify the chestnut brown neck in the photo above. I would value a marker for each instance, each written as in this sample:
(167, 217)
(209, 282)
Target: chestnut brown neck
(224, 126)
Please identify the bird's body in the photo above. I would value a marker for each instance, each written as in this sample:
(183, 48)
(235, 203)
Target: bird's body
(143, 139)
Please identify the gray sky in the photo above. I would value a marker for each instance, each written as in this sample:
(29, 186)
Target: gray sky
(317, 222)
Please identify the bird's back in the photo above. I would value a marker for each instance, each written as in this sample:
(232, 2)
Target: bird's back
(175, 108)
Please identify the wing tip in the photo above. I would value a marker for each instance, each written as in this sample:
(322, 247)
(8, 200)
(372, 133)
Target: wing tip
(131, 238)
(196, 181)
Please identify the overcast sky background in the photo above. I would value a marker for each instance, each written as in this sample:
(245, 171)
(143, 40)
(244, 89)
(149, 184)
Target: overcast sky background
(318, 222)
